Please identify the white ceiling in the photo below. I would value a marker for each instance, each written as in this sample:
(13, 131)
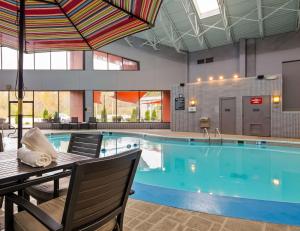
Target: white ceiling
(178, 24)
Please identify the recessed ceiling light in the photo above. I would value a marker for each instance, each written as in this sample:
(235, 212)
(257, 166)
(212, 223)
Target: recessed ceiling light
(207, 8)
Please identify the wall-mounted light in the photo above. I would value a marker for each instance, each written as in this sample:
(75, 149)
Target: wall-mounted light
(199, 80)
(235, 76)
(276, 99)
(221, 77)
(211, 78)
(193, 103)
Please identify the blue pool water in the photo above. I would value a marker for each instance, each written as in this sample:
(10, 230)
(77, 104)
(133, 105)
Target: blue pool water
(257, 182)
(244, 171)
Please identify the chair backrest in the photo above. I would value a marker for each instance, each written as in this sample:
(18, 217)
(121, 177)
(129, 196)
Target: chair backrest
(74, 119)
(1, 143)
(92, 120)
(85, 144)
(99, 190)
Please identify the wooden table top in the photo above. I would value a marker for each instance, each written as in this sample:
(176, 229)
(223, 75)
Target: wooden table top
(11, 169)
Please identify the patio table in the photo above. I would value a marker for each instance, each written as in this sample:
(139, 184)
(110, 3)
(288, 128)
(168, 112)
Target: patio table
(16, 176)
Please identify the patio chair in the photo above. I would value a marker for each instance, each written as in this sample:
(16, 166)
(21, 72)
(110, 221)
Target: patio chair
(74, 124)
(92, 123)
(80, 144)
(96, 199)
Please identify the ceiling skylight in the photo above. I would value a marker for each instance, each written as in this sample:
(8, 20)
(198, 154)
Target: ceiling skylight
(207, 8)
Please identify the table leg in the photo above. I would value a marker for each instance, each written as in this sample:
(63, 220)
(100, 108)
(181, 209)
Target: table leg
(9, 211)
(56, 188)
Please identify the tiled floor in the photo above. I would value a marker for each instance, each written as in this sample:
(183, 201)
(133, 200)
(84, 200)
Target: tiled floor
(143, 216)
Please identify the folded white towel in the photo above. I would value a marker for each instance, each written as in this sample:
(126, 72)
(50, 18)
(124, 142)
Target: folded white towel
(34, 158)
(35, 140)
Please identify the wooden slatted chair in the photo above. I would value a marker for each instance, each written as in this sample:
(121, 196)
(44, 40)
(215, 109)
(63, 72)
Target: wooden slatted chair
(80, 144)
(96, 199)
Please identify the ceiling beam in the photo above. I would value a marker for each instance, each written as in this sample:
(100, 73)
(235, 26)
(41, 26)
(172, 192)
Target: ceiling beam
(298, 16)
(171, 30)
(277, 9)
(260, 18)
(224, 15)
(195, 21)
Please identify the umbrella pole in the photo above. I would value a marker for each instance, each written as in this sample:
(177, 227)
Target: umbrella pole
(20, 70)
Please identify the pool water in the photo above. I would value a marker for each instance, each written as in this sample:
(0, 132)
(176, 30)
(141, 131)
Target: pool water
(246, 171)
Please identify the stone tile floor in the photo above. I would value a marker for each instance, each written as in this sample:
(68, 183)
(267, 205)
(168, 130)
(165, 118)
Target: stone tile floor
(144, 216)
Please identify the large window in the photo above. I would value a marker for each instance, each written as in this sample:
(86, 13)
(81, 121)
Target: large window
(105, 106)
(45, 105)
(61, 60)
(105, 61)
(4, 106)
(132, 106)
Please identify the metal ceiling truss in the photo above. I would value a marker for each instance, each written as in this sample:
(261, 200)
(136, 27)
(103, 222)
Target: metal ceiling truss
(260, 18)
(223, 12)
(170, 30)
(194, 21)
(198, 29)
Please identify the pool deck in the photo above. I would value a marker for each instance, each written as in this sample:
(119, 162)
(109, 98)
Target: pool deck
(144, 216)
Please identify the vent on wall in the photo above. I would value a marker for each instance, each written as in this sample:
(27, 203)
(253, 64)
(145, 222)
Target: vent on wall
(206, 60)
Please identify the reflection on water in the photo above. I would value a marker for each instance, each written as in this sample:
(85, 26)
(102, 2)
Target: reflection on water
(249, 171)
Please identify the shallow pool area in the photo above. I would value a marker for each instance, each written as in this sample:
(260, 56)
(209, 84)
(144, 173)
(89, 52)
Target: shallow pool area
(220, 179)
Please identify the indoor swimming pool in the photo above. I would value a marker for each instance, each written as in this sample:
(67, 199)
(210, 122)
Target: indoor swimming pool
(238, 174)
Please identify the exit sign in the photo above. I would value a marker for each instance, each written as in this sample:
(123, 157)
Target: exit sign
(256, 100)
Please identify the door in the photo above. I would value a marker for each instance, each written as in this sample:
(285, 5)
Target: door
(257, 115)
(228, 115)
(27, 114)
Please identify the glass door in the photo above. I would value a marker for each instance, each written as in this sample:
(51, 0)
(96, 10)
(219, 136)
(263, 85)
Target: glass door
(27, 114)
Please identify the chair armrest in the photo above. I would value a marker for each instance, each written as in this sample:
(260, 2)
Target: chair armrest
(36, 212)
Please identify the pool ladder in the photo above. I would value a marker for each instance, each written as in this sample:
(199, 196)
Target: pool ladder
(215, 140)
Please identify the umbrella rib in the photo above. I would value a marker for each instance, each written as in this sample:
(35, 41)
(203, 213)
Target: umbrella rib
(73, 24)
(128, 12)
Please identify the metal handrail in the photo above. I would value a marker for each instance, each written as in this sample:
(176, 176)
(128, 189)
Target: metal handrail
(217, 132)
(206, 132)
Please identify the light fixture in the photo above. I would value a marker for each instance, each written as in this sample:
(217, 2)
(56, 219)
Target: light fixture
(235, 76)
(199, 80)
(276, 99)
(276, 182)
(211, 78)
(193, 103)
(221, 77)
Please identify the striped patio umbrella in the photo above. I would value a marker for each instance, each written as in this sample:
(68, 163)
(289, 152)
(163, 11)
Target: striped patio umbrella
(48, 25)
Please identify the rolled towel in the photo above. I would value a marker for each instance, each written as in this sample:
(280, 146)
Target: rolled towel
(34, 158)
(35, 140)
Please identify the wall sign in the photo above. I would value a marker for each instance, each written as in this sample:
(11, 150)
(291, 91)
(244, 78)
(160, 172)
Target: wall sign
(180, 103)
(256, 100)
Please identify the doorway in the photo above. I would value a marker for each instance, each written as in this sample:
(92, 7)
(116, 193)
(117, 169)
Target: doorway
(257, 115)
(228, 115)
(27, 114)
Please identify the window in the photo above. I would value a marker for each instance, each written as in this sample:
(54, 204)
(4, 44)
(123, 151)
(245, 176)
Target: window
(45, 105)
(28, 63)
(114, 62)
(4, 106)
(42, 61)
(127, 106)
(9, 59)
(105, 61)
(105, 106)
(207, 8)
(59, 60)
(132, 106)
(100, 61)
(129, 65)
(62, 60)
(151, 106)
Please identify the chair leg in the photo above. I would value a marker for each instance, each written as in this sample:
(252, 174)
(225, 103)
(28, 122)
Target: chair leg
(9, 215)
